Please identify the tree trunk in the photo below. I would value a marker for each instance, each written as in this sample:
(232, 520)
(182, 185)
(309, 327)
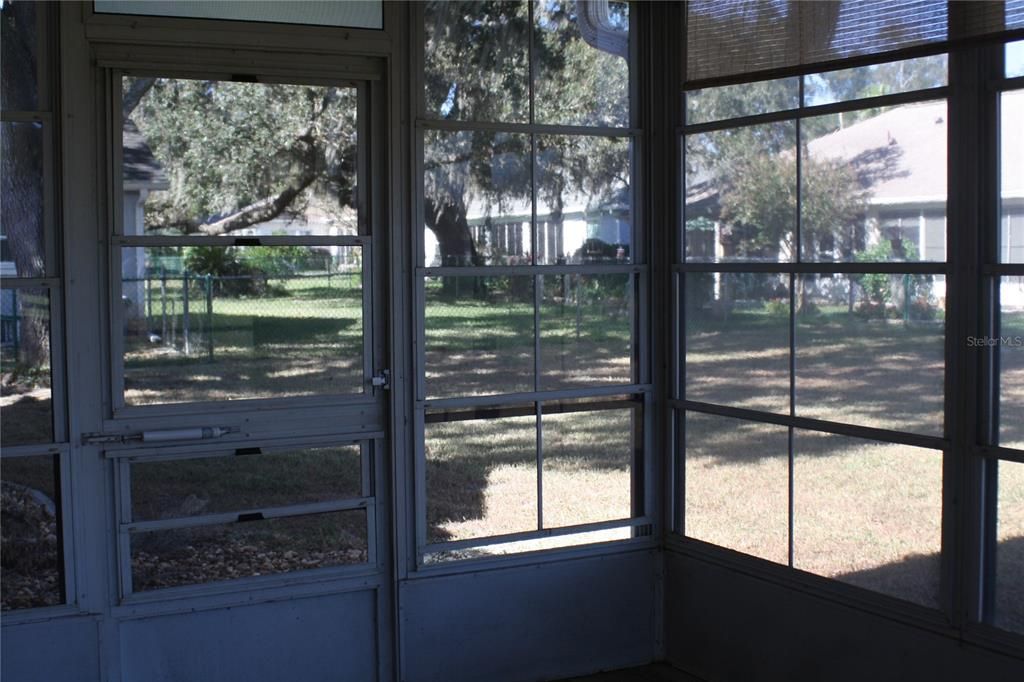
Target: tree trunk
(21, 214)
(448, 223)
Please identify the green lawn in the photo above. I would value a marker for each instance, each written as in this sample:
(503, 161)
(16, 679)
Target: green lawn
(864, 512)
(301, 337)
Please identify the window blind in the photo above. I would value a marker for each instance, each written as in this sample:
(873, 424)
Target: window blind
(730, 37)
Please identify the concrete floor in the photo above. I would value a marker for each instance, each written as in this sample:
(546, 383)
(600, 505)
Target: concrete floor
(655, 672)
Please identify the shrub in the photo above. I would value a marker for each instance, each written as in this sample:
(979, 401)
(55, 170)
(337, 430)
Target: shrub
(232, 275)
(777, 307)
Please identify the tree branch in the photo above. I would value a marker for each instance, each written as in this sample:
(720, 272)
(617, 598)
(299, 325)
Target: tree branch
(136, 91)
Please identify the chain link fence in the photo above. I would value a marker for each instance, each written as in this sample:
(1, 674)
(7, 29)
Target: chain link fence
(200, 314)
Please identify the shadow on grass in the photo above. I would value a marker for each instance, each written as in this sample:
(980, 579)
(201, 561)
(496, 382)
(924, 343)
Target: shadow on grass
(876, 373)
(26, 419)
(917, 578)
(462, 458)
(257, 330)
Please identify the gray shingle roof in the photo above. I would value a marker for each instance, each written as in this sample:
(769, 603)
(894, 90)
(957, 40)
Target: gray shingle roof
(903, 151)
(141, 169)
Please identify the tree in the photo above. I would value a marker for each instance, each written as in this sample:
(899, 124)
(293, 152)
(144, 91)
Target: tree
(21, 176)
(214, 139)
(242, 153)
(477, 68)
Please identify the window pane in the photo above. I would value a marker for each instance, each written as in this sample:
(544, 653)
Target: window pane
(192, 556)
(876, 80)
(211, 485)
(741, 194)
(1009, 587)
(22, 212)
(737, 339)
(1015, 59)
(358, 14)
(481, 477)
(205, 157)
(1011, 143)
(479, 335)
(582, 67)
(1011, 363)
(584, 200)
(868, 514)
(476, 196)
(737, 485)
(476, 61)
(19, 44)
(874, 185)
(26, 399)
(588, 460)
(33, 571)
(870, 350)
(748, 99)
(225, 323)
(586, 326)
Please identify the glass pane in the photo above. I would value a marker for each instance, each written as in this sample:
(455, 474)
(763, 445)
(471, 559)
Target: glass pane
(211, 485)
(204, 157)
(481, 477)
(870, 350)
(1011, 362)
(874, 185)
(586, 324)
(26, 399)
(208, 323)
(192, 556)
(1011, 173)
(33, 572)
(868, 514)
(737, 485)
(361, 14)
(584, 200)
(534, 545)
(22, 212)
(19, 85)
(1015, 59)
(1009, 584)
(582, 63)
(748, 99)
(741, 194)
(876, 80)
(476, 61)
(479, 335)
(737, 339)
(476, 198)
(588, 460)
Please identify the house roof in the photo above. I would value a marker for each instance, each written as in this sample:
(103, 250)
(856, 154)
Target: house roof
(141, 170)
(900, 154)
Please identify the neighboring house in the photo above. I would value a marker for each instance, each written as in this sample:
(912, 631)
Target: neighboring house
(321, 216)
(142, 174)
(900, 156)
(589, 230)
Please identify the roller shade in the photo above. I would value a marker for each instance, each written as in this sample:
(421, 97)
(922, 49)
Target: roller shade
(730, 37)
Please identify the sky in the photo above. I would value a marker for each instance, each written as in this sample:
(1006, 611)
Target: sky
(1015, 59)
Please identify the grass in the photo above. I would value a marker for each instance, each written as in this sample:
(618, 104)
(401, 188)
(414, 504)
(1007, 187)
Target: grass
(864, 512)
(482, 474)
(483, 343)
(303, 337)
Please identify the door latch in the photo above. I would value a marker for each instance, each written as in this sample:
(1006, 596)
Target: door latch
(382, 379)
